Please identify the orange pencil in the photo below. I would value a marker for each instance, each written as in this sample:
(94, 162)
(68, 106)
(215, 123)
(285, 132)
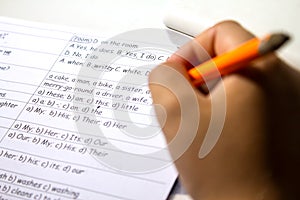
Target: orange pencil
(236, 58)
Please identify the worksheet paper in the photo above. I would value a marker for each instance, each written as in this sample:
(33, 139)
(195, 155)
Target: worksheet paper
(76, 115)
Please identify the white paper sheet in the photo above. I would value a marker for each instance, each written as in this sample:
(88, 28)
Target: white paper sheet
(73, 126)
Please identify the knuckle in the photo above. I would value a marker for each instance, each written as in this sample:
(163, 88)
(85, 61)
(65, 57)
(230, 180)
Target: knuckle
(228, 23)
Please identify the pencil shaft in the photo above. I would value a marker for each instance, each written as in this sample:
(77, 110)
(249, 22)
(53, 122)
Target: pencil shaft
(221, 64)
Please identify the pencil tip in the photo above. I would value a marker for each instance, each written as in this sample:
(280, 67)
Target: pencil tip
(275, 41)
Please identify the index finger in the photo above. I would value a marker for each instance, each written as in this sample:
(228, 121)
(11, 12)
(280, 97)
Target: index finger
(214, 41)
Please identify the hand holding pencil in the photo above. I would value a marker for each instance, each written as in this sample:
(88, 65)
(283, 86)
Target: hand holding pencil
(237, 58)
(257, 153)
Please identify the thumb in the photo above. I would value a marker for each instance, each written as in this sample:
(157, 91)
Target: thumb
(176, 103)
